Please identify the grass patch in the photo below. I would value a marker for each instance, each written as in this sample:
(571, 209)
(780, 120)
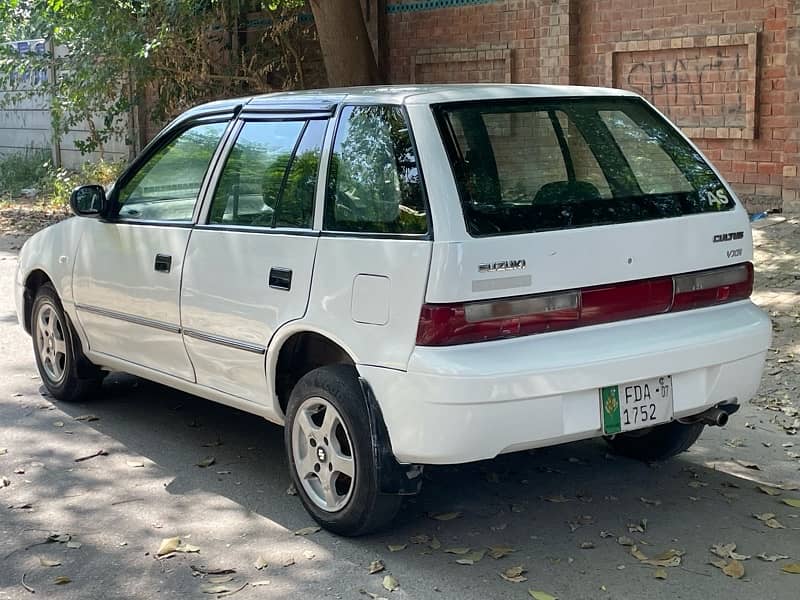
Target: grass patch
(23, 170)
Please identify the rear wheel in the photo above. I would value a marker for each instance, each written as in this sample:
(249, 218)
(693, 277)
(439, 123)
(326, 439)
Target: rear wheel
(659, 443)
(65, 371)
(331, 458)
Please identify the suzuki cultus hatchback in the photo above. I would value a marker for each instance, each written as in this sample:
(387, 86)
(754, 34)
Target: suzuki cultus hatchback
(406, 276)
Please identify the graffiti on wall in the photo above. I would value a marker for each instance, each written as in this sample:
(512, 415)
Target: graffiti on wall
(707, 88)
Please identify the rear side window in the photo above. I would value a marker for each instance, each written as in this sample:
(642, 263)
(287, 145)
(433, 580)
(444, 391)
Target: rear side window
(270, 176)
(374, 183)
(538, 165)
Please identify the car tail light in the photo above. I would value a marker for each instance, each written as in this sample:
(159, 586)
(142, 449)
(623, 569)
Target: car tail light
(450, 324)
(716, 286)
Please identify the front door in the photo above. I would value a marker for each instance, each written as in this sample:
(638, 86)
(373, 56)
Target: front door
(249, 264)
(128, 268)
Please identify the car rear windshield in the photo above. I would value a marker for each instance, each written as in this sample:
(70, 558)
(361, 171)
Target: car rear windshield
(546, 164)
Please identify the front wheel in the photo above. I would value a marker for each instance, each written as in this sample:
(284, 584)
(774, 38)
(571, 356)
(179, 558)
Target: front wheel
(659, 443)
(331, 458)
(64, 370)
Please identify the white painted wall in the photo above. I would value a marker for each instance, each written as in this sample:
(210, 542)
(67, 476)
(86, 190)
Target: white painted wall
(26, 124)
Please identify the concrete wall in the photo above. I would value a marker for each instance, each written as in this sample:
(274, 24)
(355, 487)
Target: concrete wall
(27, 124)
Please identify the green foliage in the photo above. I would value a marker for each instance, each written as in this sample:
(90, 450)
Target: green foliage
(57, 184)
(23, 170)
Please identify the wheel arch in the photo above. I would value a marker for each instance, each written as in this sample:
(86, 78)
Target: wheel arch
(35, 279)
(296, 350)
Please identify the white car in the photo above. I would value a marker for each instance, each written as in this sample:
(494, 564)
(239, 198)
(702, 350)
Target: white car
(412, 275)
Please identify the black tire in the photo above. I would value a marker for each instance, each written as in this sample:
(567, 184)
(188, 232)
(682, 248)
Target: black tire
(79, 378)
(367, 509)
(659, 443)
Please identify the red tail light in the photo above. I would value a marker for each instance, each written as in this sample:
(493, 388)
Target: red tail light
(450, 324)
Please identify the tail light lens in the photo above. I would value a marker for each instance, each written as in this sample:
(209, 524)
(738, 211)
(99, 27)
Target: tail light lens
(451, 324)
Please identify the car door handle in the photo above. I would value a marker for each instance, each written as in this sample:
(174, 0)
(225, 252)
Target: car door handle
(280, 278)
(163, 263)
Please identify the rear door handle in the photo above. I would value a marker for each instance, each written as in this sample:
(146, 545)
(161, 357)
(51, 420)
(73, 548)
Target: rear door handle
(163, 263)
(280, 278)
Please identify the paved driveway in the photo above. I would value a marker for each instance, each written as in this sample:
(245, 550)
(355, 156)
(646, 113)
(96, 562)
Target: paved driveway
(562, 510)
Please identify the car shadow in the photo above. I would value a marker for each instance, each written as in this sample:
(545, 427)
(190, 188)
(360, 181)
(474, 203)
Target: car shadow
(564, 511)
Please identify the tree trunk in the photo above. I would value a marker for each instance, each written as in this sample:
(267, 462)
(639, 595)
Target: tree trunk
(346, 49)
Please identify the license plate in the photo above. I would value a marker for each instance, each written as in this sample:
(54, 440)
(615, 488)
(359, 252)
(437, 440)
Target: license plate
(636, 405)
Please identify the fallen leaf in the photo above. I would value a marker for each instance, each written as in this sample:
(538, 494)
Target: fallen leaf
(435, 544)
(734, 569)
(203, 570)
(638, 554)
(587, 545)
(769, 491)
(59, 537)
(737, 556)
(670, 558)
(168, 546)
(376, 566)
(307, 530)
(260, 583)
(498, 552)
(793, 502)
(650, 502)
(74, 545)
(261, 562)
(58, 424)
(747, 465)
(220, 579)
(557, 499)
(771, 557)
(764, 516)
(134, 464)
(536, 595)
(606, 534)
(471, 558)
(396, 547)
(774, 524)
(62, 580)
(660, 574)
(458, 550)
(625, 541)
(207, 462)
(514, 574)
(448, 516)
(308, 554)
(718, 562)
(390, 583)
(288, 562)
(216, 588)
(793, 568)
(46, 562)
(186, 548)
(87, 418)
(723, 550)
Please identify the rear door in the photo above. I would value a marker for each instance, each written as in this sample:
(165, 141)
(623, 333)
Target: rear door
(564, 193)
(249, 262)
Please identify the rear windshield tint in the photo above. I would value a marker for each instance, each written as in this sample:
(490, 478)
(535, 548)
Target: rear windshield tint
(539, 165)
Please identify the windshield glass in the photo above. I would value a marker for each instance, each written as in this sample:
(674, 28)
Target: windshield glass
(545, 164)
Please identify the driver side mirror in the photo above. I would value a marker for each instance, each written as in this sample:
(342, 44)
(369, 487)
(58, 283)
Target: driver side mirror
(88, 200)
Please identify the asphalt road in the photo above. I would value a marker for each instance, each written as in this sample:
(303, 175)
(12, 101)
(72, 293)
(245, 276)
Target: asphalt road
(544, 504)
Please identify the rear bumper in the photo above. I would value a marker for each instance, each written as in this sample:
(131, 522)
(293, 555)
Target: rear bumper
(472, 402)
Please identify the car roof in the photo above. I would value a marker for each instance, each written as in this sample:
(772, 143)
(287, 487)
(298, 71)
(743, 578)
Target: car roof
(326, 99)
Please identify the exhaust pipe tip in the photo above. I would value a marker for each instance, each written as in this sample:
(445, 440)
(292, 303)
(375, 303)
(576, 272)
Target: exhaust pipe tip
(715, 417)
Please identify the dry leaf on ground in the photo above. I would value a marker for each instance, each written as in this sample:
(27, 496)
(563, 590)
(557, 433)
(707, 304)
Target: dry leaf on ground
(650, 502)
(734, 569)
(74, 545)
(447, 516)
(435, 544)
(261, 562)
(260, 583)
(390, 583)
(87, 418)
(557, 499)
(168, 546)
(307, 530)
(793, 502)
(134, 464)
(471, 558)
(771, 557)
(498, 552)
(458, 550)
(514, 574)
(376, 566)
(46, 562)
(747, 464)
(62, 580)
(793, 568)
(397, 547)
(207, 462)
(537, 595)
(769, 491)
(625, 541)
(419, 539)
(660, 574)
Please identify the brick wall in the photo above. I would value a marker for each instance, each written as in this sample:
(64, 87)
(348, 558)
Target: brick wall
(726, 71)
